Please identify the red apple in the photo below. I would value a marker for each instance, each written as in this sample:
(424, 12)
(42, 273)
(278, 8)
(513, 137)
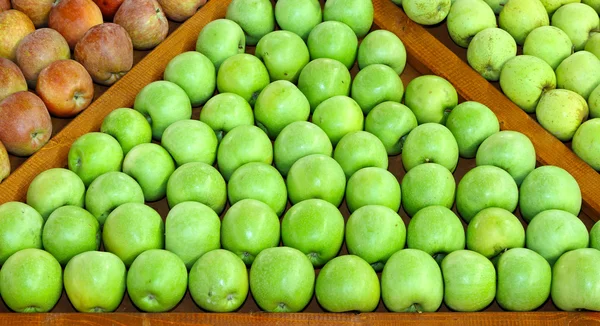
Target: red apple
(11, 79)
(66, 88)
(38, 50)
(4, 163)
(106, 52)
(72, 18)
(37, 10)
(145, 22)
(14, 26)
(4, 5)
(25, 124)
(180, 10)
(108, 7)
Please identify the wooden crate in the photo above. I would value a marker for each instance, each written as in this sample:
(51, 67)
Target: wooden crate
(426, 55)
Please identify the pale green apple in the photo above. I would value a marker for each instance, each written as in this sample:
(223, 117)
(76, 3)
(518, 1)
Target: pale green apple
(574, 279)
(20, 228)
(593, 3)
(373, 186)
(315, 227)
(260, 181)
(586, 143)
(427, 12)
(467, 18)
(469, 281)
(110, 191)
(221, 39)
(430, 143)
(496, 5)
(548, 43)
(243, 74)
(384, 47)
(225, 111)
(334, 40)
(595, 236)
(243, 144)
(552, 5)
(360, 149)
(94, 154)
(594, 103)
(580, 73)
(299, 139)
(525, 78)
(520, 17)
(128, 127)
(195, 74)
(489, 50)
(427, 184)
(255, 17)
(508, 150)
(338, 116)
(391, 122)
(358, 14)
(561, 112)
(54, 188)
(284, 54)
(494, 230)
(431, 98)
(471, 123)
(375, 84)
(151, 166)
(593, 44)
(298, 16)
(198, 182)
(190, 141)
(322, 79)
(580, 29)
(316, 176)
(278, 105)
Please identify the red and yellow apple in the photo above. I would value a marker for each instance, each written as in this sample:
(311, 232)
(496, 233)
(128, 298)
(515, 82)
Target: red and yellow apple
(72, 18)
(145, 22)
(180, 10)
(11, 79)
(39, 49)
(14, 26)
(4, 163)
(108, 7)
(37, 10)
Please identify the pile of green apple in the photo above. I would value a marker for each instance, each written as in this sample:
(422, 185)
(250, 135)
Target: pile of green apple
(253, 150)
(557, 77)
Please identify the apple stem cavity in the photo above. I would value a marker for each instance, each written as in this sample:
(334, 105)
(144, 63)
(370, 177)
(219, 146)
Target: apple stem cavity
(97, 309)
(415, 307)
(439, 257)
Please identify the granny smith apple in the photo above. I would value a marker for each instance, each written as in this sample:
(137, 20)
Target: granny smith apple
(324, 78)
(593, 3)
(574, 277)
(580, 29)
(284, 54)
(198, 182)
(494, 230)
(335, 40)
(471, 123)
(94, 154)
(593, 45)
(586, 143)
(195, 74)
(243, 144)
(594, 103)
(548, 43)
(430, 143)
(425, 185)
(525, 78)
(373, 186)
(384, 47)
(427, 12)
(431, 98)
(151, 166)
(128, 127)
(595, 236)
(375, 84)
(391, 122)
(260, 181)
(20, 228)
(190, 141)
(489, 50)
(316, 176)
(358, 14)
(561, 112)
(298, 16)
(360, 149)
(338, 116)
(520, 17)
(255, 17)
(221, 39)
(467, 18)
(299, 139)
(109, 191)
(243, 74)
(552, 5)
(278, 105)
(496, 5)
(54, 188)
(225, 111)
(580, 73)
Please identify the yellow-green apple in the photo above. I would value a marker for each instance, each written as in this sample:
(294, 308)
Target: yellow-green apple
(315, 227)
(69, 231)
(427, 12)
(298, 16)
(467, 18)
(31, 281)
(391, 122)
(20, 228)
(549, 187)
(243, 144)
(151, 166)
(296, 140)
(520, 17)
(221, 39)
(594, 103)
(471, 123)
(347, 283)
(39, 49)
(190, 141)
(282, 279)
(14, 26)
(191, 230)
(260, 181)
(375, 84)
(358, 14)
(197, 181)
(144, 21)
(179, 10)
(131, 229)
(508, 150)
(586, 143)
(243, 74)
(548, 43)
(108, 7)
(4, 163)
(95, 281)
(195, 74)
(157, 280)
(373, 186)
(561, 112)
(593, 3)
(110, 191)
(430, 143)
(284, 54)
(427, 184)
(128, 127)
(322, 79)
(525, 78)
(316, 176)
(73, 18)
(431, 98)
(469, 280)
(595, 236)
(580, 29)
(411, 281)
(257, 22)
(65, 87)
(225, 111)
(360, 149)
(553, 232)
(249, 227)
(94, 154)
(37, 10)
(11, 79)
(218, 281)
(278, 105)
(384, 47)
(334, 40)
(593, 45)
(580, 72)
(489, 50)
(574, 278)
(493, 231)
(25, 125)
(338, 116)
(55, 188)
(552, 5)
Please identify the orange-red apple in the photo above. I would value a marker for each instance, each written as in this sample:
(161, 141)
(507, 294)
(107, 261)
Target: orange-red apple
(108, 7)
(4, 163)
(145, 22)
(39, 49)
(37, 10)
(4, 5)
(72, 18)
(11, 79)
(180, 10)
(14, 26)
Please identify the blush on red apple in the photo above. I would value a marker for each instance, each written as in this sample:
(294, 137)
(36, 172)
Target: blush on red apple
(11, 79)
(72, 18)
(39, 49)
(145, 22)
(108, 7)
(180, 10)
(14, 26)
(4, 5)
(37, 10)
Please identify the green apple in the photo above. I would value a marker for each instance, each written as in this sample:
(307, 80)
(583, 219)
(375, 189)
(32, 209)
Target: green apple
(358, 14)
(198, 182)
(553, 232)
(218, 281)
(109, 191)
(485, 186)
(157, 280)
(593, 3)
(191, 230)
(255, 17)
(348, 283)
(322, 79)
(374, 233)
(469, 281)
(586, 143)
(430, 143)
(298, 16)
(574, 278)
(580, 73)
(548, 43)
(561, 112)
(284, 54)
(278, 105)
(243, 144)
(595, 236)
(131, 229)
(335, 40)
(338, 116)
(373, 186)
(391, 122)
(467, 18)
(489, 50)
(195, 74)
(20, 228)
(315, 227)
(552, 5)
(190, 141)
(593, 45)
(151, 166)
(316, 176)
(437, 231)
(524, 279)
(243, 74)
(94, 154)
(260, 181)
(299, 139)
(496, 5)
(520, 17)
(549, 187)
(471, 123)
(95, 281)
(248, 227)
(54, 188)
(282, 279)
(427, 12)
(427, 184)
(384, 47)
(411, 281)
(128, 127)
(360, 149)
(508, 150)
(525, 78)
(31, 281)
(221, 39)
(580, 29)
(162, 103)
(594, 103)
(494, 230)
(431, 98)
(375, 84)
(225, 111)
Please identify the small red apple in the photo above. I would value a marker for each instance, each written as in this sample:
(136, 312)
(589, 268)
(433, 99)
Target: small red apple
(11, 79)
(108, 7)
(180, 10)
(14, 26)
(25, 124)
(145, 22)
(4, 5)
(38, 50)
(72, 18)
(4, 163)
(37, 10)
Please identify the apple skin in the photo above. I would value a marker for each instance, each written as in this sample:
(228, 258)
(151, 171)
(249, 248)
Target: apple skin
(157, 280)
(574, 277)
(221, 39)
(190, 141)
(316, 176)
(347, 283)
(552, 5)
(384, 47)
(31, 281)
(391, 122)
(411, 281)
(110, 191)
(315, 227)
(494, 230)
(257, 22)
(144, 21)
(594, 236)
(65, 87)
(4, 5)
(333, 40)
(586, 143)
(360, 149)
(431, 98)
(561, 112)
(243, 74)
(25, 125)
(243, 144)
(298, 17)
(260, 181)
(549, 187)
(55, 188)
(108, 7)
(373, 186)
(282, 279)
(427, 184)
(520, 17)
(73, 18)
(430, 143)
(95, 281)
(427, 12)
(4, 163)
(296, 140)
(278, 105)
(593, 3)
(129, 127)
(548, 43)
(437, 231)
(580, 73)
(579, 30)
(179, 10)
(218, 281)
(38, 11)
(376, 84)
(11, 79)
(322, 79)
(94, 154)
(195, 74)
(14, 26)
(39, 49)
(594, 103)
(225, 111)
(151, 166)
(197, 181)
(593, 45)
(471, 123)
(489, 50)
(20, 228)
(462, 24)
(284, 54)
(338, 116)
(358, 14)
